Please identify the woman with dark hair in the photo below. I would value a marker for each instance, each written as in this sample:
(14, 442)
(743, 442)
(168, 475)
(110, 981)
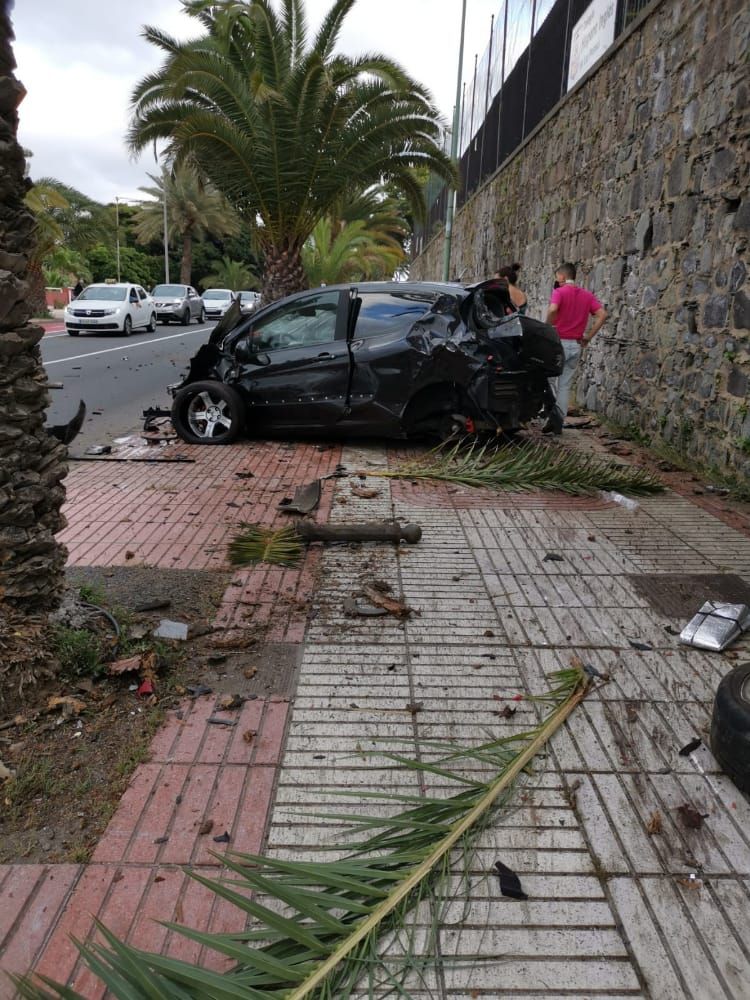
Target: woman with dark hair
(517, 297)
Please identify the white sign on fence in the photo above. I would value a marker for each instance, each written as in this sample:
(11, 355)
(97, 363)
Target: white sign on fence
(592, 35)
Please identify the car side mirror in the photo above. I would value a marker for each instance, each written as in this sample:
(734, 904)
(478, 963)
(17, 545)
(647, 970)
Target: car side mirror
(245, 354)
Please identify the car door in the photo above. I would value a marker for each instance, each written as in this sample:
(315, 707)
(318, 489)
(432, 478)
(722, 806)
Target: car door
(386, 364)
(135, 307)
(305, 385)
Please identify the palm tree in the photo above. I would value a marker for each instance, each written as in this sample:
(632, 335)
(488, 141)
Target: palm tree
(230, 274)
(348, 251)
(66, 221)
(195, 209)
(283, 126)
(32, 463)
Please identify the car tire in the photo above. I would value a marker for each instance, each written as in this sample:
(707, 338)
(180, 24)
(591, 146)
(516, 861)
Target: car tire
(73, 333)
(202, 317)
(730, 726)
(185, 318)
(127, 326)
(151, 328)
(197, 403)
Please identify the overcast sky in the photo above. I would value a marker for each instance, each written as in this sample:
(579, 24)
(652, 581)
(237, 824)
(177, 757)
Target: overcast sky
(80, 59)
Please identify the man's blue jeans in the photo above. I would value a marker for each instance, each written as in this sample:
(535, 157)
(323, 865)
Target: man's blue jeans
(561, 385)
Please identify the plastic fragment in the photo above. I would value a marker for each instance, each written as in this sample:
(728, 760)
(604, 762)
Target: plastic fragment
(510, 884)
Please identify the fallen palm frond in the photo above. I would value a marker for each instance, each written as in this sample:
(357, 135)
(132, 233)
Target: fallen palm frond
(255, 544)
(330, 935)
(519, 468)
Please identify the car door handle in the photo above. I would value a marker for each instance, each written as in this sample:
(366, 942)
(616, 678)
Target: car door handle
(325, 356)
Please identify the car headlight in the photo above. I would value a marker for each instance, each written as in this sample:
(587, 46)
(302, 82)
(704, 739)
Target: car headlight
(177, 301)
(109, 312)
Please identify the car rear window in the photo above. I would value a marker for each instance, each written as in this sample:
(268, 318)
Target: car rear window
(384, 312)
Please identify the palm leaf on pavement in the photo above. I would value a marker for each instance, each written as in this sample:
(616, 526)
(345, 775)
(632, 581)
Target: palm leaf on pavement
(519, 468)
(324, 929)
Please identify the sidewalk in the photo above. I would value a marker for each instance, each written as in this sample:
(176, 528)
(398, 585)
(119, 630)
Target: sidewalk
(612, 910)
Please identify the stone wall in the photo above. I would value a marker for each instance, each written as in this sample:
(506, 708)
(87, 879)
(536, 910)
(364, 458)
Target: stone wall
(640, 177)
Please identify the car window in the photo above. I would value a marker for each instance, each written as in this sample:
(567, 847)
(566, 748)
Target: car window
(142, 294)
(302, 323)
(133, 296)
(384, 312)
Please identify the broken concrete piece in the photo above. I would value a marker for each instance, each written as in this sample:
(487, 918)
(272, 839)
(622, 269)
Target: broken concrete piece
(167, 629)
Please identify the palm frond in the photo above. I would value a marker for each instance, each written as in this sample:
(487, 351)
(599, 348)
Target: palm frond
(524, 467)
(254, 544)
(323, 928)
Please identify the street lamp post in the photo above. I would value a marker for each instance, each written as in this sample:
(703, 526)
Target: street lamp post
(117, 235)
(450, 207)
(166, 227)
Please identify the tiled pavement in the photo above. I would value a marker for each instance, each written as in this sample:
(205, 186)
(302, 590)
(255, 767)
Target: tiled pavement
(612, 910)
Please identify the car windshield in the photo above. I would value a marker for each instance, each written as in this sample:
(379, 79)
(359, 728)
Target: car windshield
(171, 290)
(103, 293)
(217, 293)
(247, 296)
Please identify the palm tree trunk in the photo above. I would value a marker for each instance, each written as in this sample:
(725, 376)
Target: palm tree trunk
(32, 464)
(35, 296)
(186, 267)
(283, 273)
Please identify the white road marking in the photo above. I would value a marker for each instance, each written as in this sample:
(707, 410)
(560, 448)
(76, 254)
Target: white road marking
(128, 345)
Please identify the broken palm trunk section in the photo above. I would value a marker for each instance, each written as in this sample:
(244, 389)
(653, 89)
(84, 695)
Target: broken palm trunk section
(283, 546)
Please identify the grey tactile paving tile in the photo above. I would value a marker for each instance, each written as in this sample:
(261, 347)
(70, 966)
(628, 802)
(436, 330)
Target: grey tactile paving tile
(612, 911)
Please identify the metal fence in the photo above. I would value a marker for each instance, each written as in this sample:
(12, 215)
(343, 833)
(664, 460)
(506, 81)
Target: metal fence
(536, 51)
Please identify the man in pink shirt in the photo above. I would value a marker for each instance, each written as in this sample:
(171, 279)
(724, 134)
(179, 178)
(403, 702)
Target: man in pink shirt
(569, 311)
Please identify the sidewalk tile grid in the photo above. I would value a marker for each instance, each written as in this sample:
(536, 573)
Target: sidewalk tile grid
(612, 909)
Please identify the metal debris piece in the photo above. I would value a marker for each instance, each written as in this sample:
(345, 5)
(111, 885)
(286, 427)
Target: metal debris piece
(510, 884)
(68, 432)
(196, 690)
(223, 838)
(553, 557)
(98, 449)
(642, 647)
(716, 626)
(689, 747)
(360, 609)
(305, 500)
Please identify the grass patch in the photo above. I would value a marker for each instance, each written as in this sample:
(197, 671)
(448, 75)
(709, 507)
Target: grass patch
(79, 651)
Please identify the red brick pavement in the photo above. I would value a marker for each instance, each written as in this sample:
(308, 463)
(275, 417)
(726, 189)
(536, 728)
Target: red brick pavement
(173, 515)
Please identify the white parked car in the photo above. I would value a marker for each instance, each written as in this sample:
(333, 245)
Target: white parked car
(116, 308)
(216, 301)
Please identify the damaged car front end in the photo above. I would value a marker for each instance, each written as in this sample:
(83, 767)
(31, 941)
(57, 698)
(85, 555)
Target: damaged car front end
(392, 359)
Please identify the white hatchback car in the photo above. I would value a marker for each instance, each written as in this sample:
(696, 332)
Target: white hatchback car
(216, 301)
(116, 308)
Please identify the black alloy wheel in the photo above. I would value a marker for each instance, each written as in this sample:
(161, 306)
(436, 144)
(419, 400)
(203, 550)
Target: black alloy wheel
(208, 413)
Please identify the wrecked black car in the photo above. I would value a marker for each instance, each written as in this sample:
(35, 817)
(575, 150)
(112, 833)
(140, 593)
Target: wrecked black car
(392, 359)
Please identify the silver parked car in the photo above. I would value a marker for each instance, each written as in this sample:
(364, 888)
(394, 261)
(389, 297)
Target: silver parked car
(249, 302)
(178, 302)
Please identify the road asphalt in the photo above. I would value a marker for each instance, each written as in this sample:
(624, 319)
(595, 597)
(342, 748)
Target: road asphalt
(117, 377)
